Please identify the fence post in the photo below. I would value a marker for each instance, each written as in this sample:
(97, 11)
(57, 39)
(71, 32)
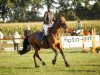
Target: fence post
(93, 40)
(83, 50)
(1, 37)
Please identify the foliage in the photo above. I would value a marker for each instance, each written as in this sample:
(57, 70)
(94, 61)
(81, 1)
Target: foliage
(95, 11)
(17, 10)
(80, 9)
(71, 15)
(49, 2)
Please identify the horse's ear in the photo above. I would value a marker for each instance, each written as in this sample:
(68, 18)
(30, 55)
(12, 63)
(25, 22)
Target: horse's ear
(62, 18)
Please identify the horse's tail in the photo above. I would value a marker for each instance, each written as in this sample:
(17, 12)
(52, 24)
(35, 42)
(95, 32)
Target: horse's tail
(26, 47)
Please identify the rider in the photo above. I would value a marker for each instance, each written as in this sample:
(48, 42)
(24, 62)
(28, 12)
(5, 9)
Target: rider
(48, 19)
(27, 31)
(79, 27)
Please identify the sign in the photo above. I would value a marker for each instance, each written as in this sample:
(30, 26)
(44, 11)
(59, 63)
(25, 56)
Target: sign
(79, 41)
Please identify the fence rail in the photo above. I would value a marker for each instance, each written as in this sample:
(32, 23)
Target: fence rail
(7, 44)
(93, 40)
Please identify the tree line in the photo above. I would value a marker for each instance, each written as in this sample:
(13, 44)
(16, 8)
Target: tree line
(18, 10)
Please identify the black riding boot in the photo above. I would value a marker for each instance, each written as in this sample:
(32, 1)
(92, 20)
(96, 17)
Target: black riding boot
(43, 38)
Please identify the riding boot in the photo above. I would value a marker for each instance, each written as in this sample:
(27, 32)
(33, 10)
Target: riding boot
(43, 38)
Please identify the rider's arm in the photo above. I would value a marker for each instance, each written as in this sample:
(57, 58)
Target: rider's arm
(45, 17)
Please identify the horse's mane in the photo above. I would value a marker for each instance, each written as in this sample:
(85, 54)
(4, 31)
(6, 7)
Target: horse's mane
(54, 24)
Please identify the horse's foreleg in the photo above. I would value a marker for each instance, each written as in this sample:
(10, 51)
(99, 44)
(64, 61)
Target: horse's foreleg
(37, 55)
(55, 58)
(34, 56)
(66, 63)
(61, 51)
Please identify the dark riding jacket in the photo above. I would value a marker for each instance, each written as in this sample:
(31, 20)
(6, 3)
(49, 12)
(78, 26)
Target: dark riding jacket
(48, 17)
(79, 27)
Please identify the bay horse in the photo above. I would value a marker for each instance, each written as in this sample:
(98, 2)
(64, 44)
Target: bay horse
(50, 42)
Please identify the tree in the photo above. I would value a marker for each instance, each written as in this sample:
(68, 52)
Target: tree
(66, 6)
(49, 2)
(3, 9)
(75, 8)
(95, 11)
(16, 10)
(19, 10)
(35, 5)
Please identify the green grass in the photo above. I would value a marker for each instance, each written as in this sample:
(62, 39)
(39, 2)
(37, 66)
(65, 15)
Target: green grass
(11, 63)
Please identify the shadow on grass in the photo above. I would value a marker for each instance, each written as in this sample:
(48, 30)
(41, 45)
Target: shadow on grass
(74, 70)
(98, 65)
(4, 67)
(81, 70)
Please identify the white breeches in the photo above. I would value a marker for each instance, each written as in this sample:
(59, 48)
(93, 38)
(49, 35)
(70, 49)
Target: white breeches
(78, 31)
(45, 27)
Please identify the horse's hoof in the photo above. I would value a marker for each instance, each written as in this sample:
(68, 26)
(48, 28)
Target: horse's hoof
(67, 65)
(83, 51)
(36, 66)
(43, 64)
(53, 62)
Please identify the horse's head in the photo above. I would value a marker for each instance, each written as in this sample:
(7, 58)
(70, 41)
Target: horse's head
(70, 30)
(62, 23)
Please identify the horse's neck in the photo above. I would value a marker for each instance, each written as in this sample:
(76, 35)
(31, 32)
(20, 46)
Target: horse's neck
(55, 30)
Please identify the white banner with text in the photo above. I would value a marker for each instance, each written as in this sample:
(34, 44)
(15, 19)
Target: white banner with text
(77, 41)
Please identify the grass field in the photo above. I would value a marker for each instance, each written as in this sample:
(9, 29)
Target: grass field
(11, 63)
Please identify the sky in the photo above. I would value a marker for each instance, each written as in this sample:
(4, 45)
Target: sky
(42, 11)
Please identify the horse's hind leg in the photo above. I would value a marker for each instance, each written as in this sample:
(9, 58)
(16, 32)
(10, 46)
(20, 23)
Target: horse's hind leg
(37, 55)
(34, 56)
(36, 48)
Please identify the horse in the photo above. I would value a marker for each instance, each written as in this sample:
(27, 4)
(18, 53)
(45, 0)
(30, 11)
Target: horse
(72, 32)
(51, 41)
(86, 31)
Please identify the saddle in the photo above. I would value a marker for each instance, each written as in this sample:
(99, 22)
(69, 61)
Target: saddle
(41, 36)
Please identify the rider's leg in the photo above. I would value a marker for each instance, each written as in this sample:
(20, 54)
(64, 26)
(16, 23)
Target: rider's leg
(45, 27)
(78, 31)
